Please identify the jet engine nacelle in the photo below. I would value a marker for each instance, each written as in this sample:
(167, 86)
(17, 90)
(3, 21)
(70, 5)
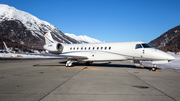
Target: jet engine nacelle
(55, 48)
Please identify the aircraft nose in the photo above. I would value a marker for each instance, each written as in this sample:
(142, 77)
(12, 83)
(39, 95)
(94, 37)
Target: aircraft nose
(169, 57)
(164, 55)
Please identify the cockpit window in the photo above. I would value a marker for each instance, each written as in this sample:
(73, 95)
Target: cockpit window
(145, 45)
(138, 46)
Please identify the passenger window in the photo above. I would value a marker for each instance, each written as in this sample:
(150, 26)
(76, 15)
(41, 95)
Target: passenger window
(109, 48)
(105, 48)
(89, 48)
(71, 48)
(101, 48)
(85, 48)
(93, 48)
(74, 48)
(97, 48)
(81, 48)
(77, 48)
(138, 46)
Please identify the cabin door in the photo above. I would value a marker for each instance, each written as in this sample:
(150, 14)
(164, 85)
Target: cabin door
(139, 51)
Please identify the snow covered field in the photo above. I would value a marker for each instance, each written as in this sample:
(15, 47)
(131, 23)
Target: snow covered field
(174, 65)
(24, 56)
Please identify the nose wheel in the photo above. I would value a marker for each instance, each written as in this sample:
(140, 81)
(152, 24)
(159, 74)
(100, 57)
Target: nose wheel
(154, 68)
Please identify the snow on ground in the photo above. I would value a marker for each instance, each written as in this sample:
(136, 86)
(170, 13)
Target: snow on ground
(25, 56)
(174, 65)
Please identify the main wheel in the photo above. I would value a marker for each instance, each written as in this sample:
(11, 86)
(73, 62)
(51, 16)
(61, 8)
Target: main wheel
(68, 64)
(89, 63)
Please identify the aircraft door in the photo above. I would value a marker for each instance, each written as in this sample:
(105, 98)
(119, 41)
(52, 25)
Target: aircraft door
(139, 51)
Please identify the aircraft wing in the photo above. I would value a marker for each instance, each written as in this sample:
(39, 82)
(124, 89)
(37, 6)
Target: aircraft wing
(55, 55)
(67, 56)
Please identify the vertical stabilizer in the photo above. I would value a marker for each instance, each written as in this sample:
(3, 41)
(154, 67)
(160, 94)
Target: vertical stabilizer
(48, 37)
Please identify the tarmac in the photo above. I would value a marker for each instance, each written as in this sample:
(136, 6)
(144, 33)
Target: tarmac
(50, 80)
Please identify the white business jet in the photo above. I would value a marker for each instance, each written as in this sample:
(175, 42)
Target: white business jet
(116, 51)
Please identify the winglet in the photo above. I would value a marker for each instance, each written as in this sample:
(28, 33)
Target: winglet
(48, 37)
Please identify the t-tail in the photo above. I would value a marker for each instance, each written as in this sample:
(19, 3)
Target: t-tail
(48, 38)
(51, 45)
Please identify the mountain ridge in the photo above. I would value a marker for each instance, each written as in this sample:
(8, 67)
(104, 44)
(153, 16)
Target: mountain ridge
(83, 38)
(168, 41)
(26, 29)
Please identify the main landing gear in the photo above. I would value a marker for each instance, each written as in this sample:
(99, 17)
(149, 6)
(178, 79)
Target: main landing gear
(89, 63)
(69, 63)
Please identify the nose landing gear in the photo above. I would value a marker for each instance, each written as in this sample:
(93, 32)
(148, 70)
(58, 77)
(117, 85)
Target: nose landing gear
(154, 68)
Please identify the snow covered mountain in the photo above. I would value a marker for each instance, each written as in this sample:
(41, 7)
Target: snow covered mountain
(26, 29)
(169, 41)
(30, 21)
(83, 38)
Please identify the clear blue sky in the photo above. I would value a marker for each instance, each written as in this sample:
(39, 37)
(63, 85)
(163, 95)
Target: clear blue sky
(106, 20)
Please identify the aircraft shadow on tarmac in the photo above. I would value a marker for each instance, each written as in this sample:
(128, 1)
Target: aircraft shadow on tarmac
(108, 64)
(39, 65)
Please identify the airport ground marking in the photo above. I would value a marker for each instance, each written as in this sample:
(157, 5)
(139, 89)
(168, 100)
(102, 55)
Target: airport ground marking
(151, 85)
(59, 85)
